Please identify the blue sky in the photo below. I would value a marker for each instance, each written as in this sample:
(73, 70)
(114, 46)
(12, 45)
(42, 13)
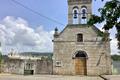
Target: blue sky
(13, 17)
(55, 9)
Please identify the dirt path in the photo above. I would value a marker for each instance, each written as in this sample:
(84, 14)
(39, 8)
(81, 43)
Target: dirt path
(46, 77)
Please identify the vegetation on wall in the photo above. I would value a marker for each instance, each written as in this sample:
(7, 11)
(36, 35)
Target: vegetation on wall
(46, 58)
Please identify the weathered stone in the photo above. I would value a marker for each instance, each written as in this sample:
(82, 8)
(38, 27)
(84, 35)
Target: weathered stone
(66, 45)
(19, 66)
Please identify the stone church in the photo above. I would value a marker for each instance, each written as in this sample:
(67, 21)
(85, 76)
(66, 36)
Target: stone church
(79, 49)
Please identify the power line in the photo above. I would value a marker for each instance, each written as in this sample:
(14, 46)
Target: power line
(35, 12)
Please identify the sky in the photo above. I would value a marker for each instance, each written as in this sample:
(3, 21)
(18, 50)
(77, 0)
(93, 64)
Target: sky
(23, 30)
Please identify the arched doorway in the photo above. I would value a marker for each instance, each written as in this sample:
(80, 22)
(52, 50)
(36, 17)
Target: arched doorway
(80, 63)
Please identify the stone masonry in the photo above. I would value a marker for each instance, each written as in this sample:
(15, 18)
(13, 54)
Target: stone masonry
(65, 46)
(97, 51)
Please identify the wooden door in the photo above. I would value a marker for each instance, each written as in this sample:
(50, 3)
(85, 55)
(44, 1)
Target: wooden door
(80, 66)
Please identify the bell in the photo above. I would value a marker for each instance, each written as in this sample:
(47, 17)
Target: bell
(75, 14)
(83, 14)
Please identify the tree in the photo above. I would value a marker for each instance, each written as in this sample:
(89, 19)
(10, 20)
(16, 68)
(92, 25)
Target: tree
(110, 13)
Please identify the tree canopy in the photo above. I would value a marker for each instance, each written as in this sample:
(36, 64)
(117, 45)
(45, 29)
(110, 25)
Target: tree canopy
(110, 14)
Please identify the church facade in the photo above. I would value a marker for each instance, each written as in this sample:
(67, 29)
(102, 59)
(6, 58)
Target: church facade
(79, 49)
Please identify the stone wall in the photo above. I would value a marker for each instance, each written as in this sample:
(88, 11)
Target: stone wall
(65, 46)
(44, 67)
(17, 66)
(13, 66)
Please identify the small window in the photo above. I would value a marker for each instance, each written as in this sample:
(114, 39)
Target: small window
(79, 37)
(58, 64)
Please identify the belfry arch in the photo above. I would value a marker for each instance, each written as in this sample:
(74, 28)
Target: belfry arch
(84, 13)
(75, 15)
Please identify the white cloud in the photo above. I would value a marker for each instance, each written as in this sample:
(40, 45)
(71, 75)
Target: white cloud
(114, 49)
(16, 33)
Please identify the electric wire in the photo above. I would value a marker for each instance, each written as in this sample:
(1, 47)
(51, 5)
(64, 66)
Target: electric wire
(35, 12)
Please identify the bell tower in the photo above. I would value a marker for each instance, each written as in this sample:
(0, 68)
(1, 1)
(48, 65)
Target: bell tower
(79, 49)
(79, 11)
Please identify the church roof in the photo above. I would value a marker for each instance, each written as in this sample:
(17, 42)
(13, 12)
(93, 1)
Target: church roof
(98, 32)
